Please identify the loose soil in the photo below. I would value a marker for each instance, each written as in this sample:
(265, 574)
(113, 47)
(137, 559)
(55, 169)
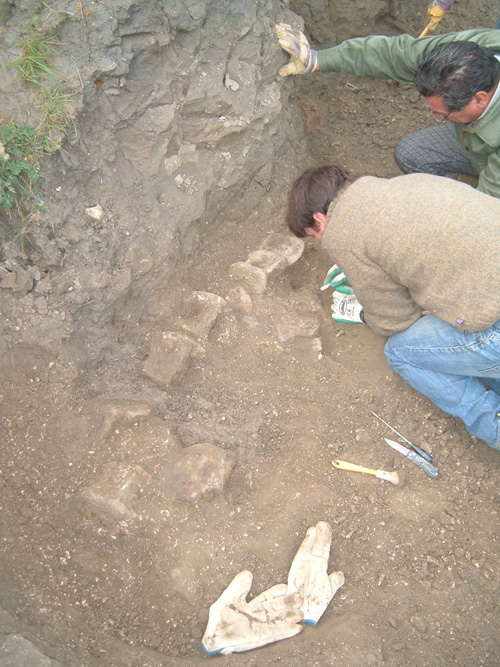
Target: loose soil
(420, 560)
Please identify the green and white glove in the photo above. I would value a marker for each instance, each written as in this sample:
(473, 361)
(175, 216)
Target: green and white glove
(235, 625)
(345, 307)
(334, 278)
(308, 573)
(303, 59)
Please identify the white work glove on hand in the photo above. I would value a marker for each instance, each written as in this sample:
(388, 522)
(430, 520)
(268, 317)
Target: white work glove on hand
(334, 278)
(308, 576)
(235, 625)
(345, 307)
(303, 59)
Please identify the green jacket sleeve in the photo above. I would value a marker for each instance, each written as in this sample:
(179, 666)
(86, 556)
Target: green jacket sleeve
(489, 177)
(381, 57)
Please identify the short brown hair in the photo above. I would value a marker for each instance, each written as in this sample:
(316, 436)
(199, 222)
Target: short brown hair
(312, 193)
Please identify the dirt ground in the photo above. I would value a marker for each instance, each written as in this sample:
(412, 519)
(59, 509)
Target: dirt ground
(420, 560)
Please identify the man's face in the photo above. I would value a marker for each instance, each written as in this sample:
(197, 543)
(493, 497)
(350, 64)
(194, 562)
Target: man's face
(468, 114)
(318, 234)
(320, 222)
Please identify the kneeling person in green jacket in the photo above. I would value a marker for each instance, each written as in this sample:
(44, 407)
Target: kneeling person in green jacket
(425, 277)
(457, 76)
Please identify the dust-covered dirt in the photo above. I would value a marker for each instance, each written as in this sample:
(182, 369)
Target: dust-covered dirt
(420, 560)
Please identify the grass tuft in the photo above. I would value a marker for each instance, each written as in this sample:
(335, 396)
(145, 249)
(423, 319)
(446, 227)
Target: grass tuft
(23, 148)
(36, 60)
(57, 118)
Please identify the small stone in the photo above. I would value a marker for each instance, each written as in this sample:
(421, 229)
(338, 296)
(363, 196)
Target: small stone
(296, 326)
(95, 212)
(288, 247)
(239, 300)
(169, 354)
(479, 471)
(119, 410)
(200, 470)
(199, 313)
(41, 305)
(19, 282)
(253, 278)
(419, 624)
(171, 164)
(230, 83)
(111, 497)
(266, 260)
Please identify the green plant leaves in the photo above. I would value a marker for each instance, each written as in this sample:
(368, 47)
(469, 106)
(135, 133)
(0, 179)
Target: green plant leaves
(20, 168)
(23, 148)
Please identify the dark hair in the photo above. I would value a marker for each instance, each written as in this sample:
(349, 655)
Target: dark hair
(312, 193)
(456, 71)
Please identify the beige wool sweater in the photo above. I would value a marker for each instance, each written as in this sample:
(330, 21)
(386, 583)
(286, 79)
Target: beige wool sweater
(418, 243)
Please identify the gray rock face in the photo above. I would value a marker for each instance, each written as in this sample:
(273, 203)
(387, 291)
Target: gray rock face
(16, 651)
(178, 109)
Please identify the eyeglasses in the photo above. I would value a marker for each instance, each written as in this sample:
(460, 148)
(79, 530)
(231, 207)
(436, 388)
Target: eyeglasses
(438, 117)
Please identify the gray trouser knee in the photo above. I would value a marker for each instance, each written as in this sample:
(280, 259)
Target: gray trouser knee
(433, 150)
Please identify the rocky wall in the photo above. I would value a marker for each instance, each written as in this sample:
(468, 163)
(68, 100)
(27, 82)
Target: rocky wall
(180, 119)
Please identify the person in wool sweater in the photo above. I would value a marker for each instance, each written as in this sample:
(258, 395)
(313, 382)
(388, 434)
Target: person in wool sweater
(416, 259)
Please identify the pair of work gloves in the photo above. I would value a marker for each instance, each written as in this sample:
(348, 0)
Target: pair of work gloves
(304, 59)
(235, 625)
(345, 307)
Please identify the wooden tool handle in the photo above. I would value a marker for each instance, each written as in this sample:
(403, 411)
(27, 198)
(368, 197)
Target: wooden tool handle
(344, 465)
(424, 31)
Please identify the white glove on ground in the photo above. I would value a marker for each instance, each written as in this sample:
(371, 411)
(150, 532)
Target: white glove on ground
(235, 625)
(308, 576)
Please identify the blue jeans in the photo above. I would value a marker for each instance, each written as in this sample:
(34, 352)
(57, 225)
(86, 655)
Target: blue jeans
(456, 370)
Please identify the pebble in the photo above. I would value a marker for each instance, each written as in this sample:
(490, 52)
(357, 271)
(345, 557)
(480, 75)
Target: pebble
(419, 624)
(95, 212)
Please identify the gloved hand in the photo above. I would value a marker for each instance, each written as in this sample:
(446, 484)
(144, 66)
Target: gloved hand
(303, 59)
(345, 307)
(235, 625)
(434, 14)
(334, 278)
(308, 576)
